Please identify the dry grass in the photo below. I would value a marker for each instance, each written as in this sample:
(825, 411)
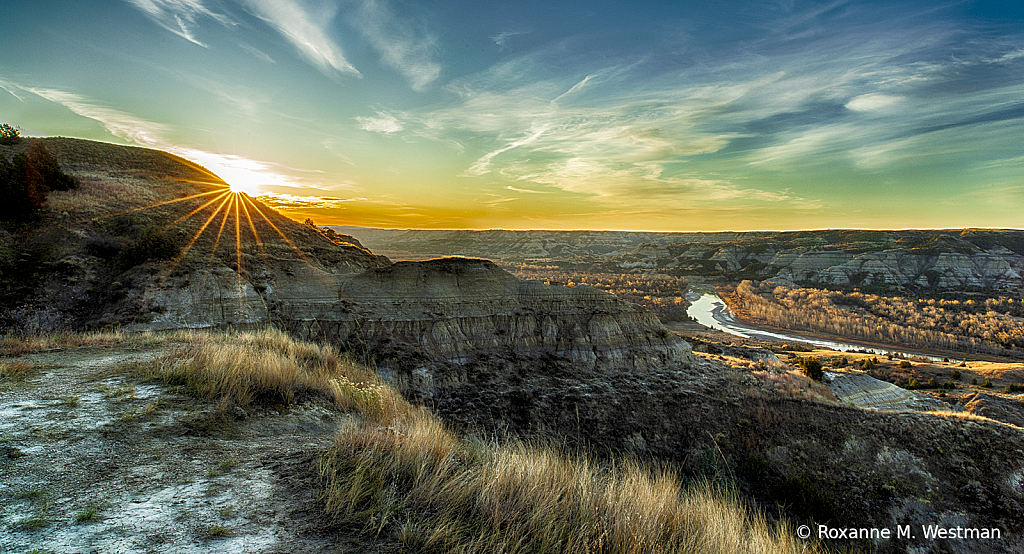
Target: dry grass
(11, 345)
(102, 193)
(794, 384)
(968, 416)
(267, 367)
(15, 370)
(444, 494)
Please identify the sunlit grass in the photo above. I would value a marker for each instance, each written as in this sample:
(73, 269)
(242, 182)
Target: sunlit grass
(13, 345)
(440, 493)
(265, 367)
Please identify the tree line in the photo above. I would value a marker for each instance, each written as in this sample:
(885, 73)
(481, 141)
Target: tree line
(988, 327)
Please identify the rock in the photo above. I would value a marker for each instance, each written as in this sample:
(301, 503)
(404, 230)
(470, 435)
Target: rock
(419, 317)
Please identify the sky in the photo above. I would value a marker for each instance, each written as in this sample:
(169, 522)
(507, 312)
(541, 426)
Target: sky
(657, 116)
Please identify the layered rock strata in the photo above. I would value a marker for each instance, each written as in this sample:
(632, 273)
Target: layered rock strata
(412, 316)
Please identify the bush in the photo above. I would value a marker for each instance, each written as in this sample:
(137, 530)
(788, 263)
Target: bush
(27, 179)
(955, 373)
(9, 134)
(905, 364)
(812, 368)
(987, 383)
(152, 245)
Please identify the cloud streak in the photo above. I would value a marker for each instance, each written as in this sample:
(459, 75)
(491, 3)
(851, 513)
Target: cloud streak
(400, 46)
(866, 98)
(384, 123)
(306, 32)
(178, 16)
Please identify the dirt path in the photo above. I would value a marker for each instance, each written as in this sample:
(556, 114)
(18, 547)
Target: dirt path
(94, 460)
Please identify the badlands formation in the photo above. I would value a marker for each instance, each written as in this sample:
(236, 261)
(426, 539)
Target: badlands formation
(494, 355)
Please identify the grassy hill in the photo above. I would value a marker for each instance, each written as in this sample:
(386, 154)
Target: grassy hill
(140, 216)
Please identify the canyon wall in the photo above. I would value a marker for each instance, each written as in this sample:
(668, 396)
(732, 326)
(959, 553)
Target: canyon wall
(421, 321)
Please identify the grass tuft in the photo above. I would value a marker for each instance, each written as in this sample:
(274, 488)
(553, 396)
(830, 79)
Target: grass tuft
(268, 368)
(16, 370)
(218, 532)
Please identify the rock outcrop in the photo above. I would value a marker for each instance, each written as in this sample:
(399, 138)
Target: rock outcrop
(416, 317)
(864, 391)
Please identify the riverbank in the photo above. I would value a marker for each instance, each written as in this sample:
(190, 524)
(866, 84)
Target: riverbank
(713, 311)
(729, 298)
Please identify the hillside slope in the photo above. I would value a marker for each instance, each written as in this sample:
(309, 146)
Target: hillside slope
(150, 240)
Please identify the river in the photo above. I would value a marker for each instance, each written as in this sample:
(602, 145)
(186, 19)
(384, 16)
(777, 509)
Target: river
(711, 311)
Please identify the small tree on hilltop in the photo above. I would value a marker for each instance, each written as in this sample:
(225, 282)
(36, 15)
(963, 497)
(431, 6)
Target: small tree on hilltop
(9, 134)
(812, 368)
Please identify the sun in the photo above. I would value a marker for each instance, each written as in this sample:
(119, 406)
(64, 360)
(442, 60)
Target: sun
(241, 185)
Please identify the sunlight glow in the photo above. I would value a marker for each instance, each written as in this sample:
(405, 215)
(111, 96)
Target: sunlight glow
(250, 188)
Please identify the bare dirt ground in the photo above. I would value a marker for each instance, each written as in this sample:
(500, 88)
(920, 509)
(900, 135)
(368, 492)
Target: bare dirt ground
(93, 459)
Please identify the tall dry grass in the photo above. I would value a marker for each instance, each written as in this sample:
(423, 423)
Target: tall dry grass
(269, 367)
(441, 493)
(794, 384)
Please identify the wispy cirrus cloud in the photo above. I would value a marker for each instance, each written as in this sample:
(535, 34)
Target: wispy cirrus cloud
(178, 16)
(502, 38)
(383, 123)
(116, 122)
(306, 31)
(866, 97)
(400, 45)
(10, 88)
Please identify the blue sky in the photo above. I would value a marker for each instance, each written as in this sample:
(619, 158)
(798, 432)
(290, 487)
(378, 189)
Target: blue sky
(584, 115)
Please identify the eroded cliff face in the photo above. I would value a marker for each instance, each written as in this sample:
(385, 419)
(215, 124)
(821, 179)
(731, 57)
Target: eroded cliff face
(423, 321)
(997, 269)
(916, 259)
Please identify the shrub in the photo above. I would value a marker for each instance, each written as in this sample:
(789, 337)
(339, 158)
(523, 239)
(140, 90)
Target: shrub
(26, 180)
(9, 134)
(812, 368)
(905, 364)
(152, 245)
(987, 383)
(955, 373)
